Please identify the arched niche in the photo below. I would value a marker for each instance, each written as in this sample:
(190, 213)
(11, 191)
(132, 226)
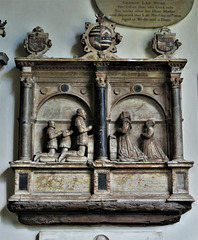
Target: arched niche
(141, 108)
(60, 108)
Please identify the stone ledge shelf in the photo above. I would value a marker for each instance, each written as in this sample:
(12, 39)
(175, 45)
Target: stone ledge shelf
(62, 193)
(113, 212)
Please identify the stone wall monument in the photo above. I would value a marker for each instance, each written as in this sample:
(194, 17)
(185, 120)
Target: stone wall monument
(100, 137)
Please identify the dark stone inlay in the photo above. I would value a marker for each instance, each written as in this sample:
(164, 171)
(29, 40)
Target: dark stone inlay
(138, 88)
(23, 181)
(64, 88)
(102, 181)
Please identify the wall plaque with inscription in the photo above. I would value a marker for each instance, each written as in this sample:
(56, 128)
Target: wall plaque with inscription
(145, 13)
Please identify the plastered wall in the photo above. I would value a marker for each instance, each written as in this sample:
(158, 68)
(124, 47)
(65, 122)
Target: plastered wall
(64, 21)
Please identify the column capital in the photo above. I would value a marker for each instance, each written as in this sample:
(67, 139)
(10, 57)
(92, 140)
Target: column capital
(175, 78)
(27, 82)
(101, 79)
(176, 82)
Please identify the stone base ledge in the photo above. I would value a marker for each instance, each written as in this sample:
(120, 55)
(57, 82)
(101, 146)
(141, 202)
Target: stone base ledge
(111, 212)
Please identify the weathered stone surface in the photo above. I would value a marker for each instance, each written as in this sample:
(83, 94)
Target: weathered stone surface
(73, 181)
(137, 213)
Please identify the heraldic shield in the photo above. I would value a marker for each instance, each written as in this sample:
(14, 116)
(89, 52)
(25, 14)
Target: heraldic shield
(37, 42)
(165, 42)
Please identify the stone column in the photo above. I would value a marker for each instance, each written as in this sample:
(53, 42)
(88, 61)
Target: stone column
(101, 131)
(25, 145)
(176, 81)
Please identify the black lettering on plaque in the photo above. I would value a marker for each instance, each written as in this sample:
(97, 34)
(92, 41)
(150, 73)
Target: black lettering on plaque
(23, 181)
(102, 181)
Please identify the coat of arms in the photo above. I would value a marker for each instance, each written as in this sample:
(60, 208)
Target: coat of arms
(37, 42)
(100, 39)
(164, 42)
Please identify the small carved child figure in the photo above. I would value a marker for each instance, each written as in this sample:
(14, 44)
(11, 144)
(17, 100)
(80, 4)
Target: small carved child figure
(127, 150)
(150, 147)
(52, 143)
(65, 143)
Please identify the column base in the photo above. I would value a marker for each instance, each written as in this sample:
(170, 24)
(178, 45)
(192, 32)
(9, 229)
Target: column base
(180, 198)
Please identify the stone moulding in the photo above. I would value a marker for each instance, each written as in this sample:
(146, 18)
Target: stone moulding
(91, 183)
(135, 213)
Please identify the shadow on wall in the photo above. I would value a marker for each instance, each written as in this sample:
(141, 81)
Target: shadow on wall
(21, 51)
(8, 177)
(14, 76)
(77, 48)
(148, 50)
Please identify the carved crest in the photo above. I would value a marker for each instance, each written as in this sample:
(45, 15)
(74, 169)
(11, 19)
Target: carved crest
(164, 42)
(37, 42)
(100, 39)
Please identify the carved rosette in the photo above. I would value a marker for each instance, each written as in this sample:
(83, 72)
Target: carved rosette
(37, 42)
(100, 39)
(164, 42)
(27, 82)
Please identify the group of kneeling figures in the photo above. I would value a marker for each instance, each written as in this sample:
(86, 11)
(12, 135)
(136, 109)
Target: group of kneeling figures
(126, 149)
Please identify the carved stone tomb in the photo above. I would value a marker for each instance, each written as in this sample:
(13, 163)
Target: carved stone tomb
(100, 142)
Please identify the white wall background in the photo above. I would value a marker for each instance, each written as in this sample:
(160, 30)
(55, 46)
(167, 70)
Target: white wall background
(64, 21)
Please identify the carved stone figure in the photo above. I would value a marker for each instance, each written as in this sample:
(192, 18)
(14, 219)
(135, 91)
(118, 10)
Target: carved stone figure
(82, 129)
(150, 146)
(52, 145)
(127, 150)
(65, 143)
(52, 134)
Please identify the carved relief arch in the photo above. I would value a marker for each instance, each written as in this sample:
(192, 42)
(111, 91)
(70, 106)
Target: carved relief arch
(136, 102)
(141, 107)
(62, 104)
(61, 108)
